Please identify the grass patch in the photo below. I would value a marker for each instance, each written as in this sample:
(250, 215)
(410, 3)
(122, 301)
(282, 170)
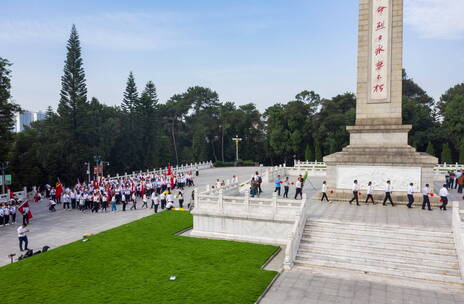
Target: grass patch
(132, 264)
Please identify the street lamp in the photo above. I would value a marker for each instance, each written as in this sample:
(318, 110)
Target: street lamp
(88, 169)
(237, 140)
(3, 166)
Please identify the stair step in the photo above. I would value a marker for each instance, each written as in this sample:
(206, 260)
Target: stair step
(390, 235)
(363, 226)
(356, 261)
(382, 229)
(377, 240)
(446, 262)
(406, 251)
(382, 271)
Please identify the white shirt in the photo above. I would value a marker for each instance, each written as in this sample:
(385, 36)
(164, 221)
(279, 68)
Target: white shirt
(324, 188)
(388, 188)
(370, 189)
(425, 191)
(443, 192)
(355, 187)
(298, 184)
(410, 190)
(21, 231)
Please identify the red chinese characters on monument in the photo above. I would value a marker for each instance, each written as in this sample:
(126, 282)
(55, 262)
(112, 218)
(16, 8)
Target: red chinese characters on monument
(379, 43)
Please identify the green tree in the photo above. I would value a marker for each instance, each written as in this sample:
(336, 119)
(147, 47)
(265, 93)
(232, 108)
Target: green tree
(7, 109)
(309, 153)
(446, 154)
(430, 150)
(318, 152)
(451, 94)
(461, 153)
(73, 96)
(131, 95)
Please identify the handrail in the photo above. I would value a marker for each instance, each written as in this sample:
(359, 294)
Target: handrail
(295, 236)
(458, 231)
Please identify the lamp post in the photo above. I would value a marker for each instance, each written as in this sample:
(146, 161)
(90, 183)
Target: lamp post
(3, 166)
(237, 140)
(97, 159)
(88, 169)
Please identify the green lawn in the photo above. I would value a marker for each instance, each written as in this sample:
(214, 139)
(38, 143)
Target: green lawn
(132, 264)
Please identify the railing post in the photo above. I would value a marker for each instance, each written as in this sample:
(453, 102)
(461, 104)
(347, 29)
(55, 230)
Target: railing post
(274, 203)
(221, 201)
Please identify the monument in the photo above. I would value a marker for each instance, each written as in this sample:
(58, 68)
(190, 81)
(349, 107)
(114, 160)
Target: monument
(378, 149)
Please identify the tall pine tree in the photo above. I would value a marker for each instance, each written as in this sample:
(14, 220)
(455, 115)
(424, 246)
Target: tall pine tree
(73, 88)
(131, 95)
(7, 109)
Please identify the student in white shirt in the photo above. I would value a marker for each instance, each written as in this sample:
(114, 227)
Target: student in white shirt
(388, 191)
(410, 195)
(355, 189)
(370, 193)
(444, 197)
(425, 196)
(23, 237)
(324, 192)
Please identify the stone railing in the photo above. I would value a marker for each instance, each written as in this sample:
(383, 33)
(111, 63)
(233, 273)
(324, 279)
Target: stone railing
(181, 169)
(18, 194)
(295, 236)
(268, 176)
(230, 186)
(443, 168)
(318, 168)
(270, 208)
(458, 233)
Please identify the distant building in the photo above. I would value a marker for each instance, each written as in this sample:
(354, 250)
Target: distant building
(25, 119)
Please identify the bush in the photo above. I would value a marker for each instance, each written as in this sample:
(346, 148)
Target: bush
(240, 163)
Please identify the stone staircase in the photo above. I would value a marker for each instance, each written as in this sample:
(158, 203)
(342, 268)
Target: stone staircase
(406, 252)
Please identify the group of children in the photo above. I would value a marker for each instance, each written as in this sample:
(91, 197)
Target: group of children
(8, 213)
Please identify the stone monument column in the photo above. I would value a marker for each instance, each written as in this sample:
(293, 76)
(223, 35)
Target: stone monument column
(379, 149)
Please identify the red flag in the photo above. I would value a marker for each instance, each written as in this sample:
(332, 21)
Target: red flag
(143, 189)
(24, 205)
(59, 189)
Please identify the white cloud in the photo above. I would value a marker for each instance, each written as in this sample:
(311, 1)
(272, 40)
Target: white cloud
(436, 19)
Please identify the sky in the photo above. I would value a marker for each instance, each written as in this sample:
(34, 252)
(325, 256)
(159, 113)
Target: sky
(259, 51)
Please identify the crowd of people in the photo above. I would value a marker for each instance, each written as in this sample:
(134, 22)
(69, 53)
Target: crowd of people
(156, 191)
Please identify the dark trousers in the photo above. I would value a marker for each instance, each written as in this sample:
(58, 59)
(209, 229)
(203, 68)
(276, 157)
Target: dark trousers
(300, 192)
(426, 201)
(25, 219)
(145, 203)
(181, 203)
(277, 189)
(410, 200)
(389, 198)
(73, 203)
(156, 208)
(355, 197)
(6, 219)
(13, 218)
(286, 191)
(324, 195)
(66, 205)
(460, 189)
(444, 200)
(369, 196)
(23, 239)
(163, 203)
(124, 204)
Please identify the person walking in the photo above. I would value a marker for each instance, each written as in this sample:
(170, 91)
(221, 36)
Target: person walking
(425, 197)
(180, 196)
(461, 182)
(286, 187)
(278, 185)
(444, 197)
(299, 187)
(113, 203)
(22, 230)
(163, 200)
(370, 193)
(388, 192)
(13, 213)
(169, 200)
(145, 201)
(324, 192)
(410, 195)
(355, 189)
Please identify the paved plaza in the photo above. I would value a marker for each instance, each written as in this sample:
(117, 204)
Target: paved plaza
(62, 227)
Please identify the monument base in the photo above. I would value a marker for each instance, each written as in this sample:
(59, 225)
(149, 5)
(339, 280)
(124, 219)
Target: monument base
(378, 154)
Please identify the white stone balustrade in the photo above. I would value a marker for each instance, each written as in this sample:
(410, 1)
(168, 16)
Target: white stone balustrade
(458, 230)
